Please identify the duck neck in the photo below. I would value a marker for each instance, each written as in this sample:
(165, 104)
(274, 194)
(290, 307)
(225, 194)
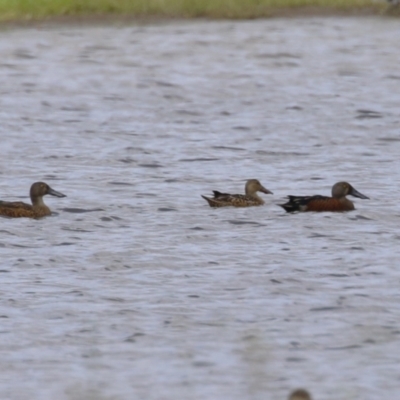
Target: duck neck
(38, 201)
(348, 203)
(255, 196)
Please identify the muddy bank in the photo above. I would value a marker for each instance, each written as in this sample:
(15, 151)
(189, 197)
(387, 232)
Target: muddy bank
(288, 13)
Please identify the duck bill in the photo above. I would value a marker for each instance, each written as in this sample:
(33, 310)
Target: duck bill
(264, 190)
(55, 193)
(356, 193)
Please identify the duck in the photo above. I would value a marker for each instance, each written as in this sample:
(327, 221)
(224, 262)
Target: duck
(299, 394)
(19, 209)
(337, 203)
(249, 199)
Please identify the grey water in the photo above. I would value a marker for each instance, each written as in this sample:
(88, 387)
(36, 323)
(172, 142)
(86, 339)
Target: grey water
(135, 288)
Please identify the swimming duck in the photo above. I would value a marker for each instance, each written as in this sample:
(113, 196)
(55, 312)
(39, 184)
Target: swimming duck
(300, 394)
(239, 200)
(338, 201)
(18, 209)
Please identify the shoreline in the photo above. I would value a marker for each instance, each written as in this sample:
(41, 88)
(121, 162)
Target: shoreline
(276, 12)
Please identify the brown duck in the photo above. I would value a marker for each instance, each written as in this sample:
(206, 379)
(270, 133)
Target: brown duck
(239, 200)
(300, 394)
(18, 209)
(337, 203)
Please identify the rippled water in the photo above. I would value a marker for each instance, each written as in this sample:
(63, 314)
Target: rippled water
(135, 288)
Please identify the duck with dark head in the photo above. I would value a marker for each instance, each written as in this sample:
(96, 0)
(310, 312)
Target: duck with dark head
(18, 209)
(337, 203)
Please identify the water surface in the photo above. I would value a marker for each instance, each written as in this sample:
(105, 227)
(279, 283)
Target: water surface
(135, 288)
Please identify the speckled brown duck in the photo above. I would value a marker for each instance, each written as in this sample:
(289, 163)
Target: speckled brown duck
(239, 200)
(18, 209)
(337, 203)
(299, 394)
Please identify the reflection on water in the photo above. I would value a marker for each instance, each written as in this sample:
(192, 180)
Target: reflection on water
(135, 288)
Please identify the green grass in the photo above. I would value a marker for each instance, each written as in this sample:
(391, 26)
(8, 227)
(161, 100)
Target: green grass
(14, 10)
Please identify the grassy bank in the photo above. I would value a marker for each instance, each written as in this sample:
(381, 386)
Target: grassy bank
(14, 10)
